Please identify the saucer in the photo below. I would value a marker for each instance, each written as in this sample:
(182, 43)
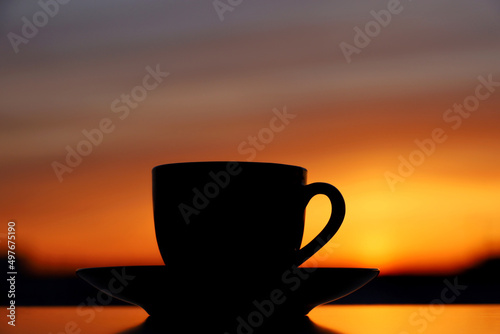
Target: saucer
(150, 286)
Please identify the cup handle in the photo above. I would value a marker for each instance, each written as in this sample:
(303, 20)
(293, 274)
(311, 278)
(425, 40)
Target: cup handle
(336, 218)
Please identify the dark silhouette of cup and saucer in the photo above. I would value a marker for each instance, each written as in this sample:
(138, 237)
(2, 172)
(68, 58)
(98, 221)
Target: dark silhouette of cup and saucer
(230, 235)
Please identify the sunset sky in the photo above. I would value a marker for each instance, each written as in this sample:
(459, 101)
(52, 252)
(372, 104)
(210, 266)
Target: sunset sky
(429, 74)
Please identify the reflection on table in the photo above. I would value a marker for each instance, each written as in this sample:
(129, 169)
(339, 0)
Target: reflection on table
(328, 319)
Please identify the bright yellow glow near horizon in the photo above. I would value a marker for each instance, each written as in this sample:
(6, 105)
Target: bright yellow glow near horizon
(427, 225)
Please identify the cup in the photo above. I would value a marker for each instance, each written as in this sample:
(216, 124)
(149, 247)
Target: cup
(244, 218)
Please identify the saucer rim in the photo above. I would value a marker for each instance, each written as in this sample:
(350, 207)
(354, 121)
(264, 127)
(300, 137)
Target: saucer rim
(164, 266)
(302, 308)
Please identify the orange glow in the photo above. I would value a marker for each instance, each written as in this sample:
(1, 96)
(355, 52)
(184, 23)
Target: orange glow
(429, 225)
(109, 319)
(407, 318)
(433, 222)
(328, 319)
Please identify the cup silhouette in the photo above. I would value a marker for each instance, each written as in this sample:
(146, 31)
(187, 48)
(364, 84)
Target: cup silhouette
(230, 230)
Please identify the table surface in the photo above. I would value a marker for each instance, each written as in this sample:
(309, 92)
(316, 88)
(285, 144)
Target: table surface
(373, 319)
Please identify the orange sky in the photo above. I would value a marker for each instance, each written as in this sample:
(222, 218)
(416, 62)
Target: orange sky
(352, 123)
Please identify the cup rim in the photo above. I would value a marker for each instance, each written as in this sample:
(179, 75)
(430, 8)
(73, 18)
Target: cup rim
(218, 162)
